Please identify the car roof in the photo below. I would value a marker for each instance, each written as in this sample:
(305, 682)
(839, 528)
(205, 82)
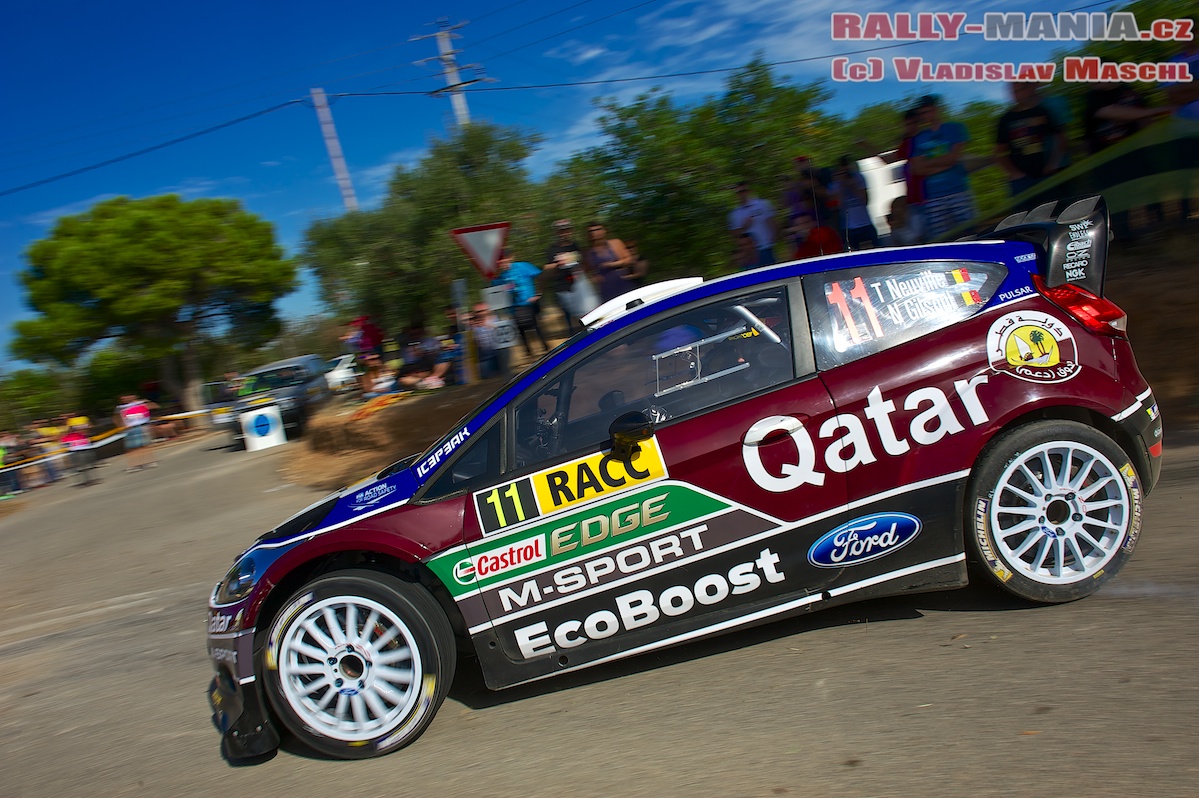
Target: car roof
(302, 360)
(994, 250)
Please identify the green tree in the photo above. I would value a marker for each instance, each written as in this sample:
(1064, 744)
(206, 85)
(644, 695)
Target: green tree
(108, 373)
(666, 169)
(26, 394)
(397, 263)
(1146, 12)
(156, 275)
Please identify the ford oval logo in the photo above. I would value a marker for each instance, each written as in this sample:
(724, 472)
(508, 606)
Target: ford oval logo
(864, 539)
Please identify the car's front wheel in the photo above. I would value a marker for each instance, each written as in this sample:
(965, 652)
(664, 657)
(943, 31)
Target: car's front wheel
(1055, 511)
(358, 662)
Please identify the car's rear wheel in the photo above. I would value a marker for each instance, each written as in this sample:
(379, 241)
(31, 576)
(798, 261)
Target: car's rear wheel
(358, 662)
(1056, 511)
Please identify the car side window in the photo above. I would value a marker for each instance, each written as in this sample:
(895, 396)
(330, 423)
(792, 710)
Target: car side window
(858, 312)
(476, 466)
(691, 361)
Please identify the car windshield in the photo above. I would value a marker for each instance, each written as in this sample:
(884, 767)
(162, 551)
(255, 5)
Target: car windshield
(271, 380)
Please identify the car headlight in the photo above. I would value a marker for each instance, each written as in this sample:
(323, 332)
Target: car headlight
(238, 583)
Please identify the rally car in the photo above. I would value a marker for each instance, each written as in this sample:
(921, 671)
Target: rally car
(704, 456)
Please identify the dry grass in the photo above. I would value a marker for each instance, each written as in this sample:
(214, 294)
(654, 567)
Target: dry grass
(339, 451)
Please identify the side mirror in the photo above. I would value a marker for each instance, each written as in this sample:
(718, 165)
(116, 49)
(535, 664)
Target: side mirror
(626, 431)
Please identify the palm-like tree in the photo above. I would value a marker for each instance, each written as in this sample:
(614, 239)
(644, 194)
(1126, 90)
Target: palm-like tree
(1036, 336)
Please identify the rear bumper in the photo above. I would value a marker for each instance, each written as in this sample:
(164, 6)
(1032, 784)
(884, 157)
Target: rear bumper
(1142, 421)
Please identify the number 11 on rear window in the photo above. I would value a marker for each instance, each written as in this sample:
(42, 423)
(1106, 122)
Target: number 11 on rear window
(837, 298)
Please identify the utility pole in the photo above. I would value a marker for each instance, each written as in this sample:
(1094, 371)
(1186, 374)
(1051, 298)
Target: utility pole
(446, 53)
(333, 145)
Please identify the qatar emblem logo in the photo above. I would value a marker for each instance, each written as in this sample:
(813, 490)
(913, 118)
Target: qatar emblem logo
(1032, 346)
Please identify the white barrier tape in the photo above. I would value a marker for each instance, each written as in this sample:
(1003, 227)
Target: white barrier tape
(107, 439)
(59, 455)
(38, 461)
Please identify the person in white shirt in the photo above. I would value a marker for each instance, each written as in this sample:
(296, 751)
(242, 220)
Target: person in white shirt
(133, 414)
(754, 216)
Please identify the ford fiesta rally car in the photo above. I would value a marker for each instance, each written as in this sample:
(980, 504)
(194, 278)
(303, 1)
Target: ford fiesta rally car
(705, 456)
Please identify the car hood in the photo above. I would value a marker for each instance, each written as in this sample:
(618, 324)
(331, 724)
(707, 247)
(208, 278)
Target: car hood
(390, 488)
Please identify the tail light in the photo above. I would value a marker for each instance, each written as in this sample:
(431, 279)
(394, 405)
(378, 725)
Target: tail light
(1093, 312)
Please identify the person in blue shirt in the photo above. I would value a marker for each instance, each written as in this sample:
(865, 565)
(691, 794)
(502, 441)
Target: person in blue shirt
(937, 157)
(521, 277)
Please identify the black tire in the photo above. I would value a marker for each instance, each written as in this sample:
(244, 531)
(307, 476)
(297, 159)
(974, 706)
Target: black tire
(370, 708)
(1054, 511)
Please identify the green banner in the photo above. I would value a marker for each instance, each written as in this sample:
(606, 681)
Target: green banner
(568, 536)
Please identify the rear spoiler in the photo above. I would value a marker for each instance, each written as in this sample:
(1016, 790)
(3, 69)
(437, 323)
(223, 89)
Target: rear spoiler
(1074, 242)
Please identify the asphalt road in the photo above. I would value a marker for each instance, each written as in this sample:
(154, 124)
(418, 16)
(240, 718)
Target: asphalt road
(103, 674)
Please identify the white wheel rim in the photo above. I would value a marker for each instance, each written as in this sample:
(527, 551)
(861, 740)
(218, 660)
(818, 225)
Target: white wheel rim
(1060, 512)
(349, 668)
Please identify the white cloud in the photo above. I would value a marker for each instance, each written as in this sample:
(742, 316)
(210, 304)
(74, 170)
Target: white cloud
(577, 52)
(583, 133)
(203, 186)
(689, 32)
(370, 183)
(49, 216)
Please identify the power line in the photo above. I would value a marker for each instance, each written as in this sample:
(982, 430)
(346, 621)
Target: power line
(145, 150)
(493, 12)
(189, 98)
(125, 114)
(565, 84)
(530, 22)
(575, 28)
(642, 78)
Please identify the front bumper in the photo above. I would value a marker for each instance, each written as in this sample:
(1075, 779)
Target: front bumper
(238, 708)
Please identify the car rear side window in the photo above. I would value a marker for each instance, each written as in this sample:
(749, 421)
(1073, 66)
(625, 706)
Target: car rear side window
(857, 312)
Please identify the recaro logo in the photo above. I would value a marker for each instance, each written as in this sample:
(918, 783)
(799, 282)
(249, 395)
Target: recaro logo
(864, 539)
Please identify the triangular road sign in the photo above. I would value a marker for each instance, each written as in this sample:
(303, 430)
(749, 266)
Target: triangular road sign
(483, 244)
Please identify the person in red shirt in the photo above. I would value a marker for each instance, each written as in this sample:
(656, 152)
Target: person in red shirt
(79, 450)
(133, 415)
(811, 239)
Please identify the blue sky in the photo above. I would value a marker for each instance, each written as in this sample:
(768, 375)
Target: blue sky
(87, 82)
